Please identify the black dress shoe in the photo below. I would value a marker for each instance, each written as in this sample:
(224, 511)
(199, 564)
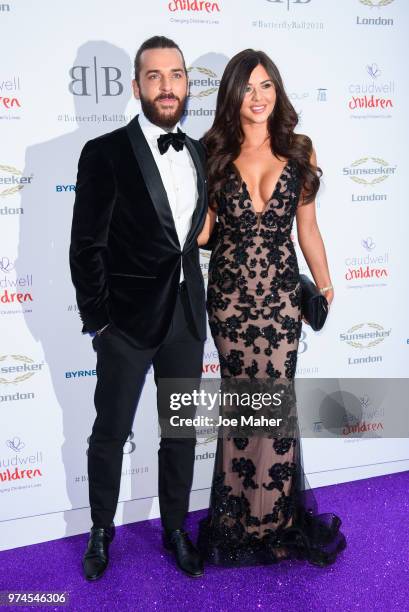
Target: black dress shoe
(187, 556)
(95, 560)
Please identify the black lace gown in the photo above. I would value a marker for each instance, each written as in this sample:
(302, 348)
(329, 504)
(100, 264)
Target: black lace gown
(262, 510)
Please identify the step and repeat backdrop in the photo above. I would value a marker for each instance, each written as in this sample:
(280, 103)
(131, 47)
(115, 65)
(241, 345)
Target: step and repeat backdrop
(65, 77)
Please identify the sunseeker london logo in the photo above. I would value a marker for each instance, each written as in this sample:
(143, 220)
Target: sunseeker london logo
(363, 337)
(369, 170)
(12, 180)
(204, 75)
(203, 82)
(376, 3)
(16, 369)
(368, 173)
(203, 86)
(374, 17)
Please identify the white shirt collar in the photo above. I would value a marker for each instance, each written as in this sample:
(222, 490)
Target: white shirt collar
(151, 130)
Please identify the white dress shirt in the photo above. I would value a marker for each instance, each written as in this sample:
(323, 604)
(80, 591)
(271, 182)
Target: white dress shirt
(178, 174)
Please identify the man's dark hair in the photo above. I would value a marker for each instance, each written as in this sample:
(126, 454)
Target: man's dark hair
(156, 42)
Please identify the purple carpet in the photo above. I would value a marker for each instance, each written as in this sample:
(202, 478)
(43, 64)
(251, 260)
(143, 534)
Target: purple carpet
(371, 574)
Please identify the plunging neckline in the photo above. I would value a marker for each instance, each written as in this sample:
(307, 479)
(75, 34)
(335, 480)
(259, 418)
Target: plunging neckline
(265, 204)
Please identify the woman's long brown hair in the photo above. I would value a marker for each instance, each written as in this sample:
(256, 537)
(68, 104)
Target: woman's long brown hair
(224, 139)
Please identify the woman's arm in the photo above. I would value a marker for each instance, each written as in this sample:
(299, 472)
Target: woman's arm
(204, 236)
(312, 245)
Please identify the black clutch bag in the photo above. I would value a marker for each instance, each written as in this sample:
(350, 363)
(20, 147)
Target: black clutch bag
(314, 305)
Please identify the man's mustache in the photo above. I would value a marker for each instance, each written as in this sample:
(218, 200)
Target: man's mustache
(167, 97)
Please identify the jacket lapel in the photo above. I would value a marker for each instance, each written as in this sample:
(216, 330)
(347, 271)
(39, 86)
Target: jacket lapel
(152, 179)
(200, 209)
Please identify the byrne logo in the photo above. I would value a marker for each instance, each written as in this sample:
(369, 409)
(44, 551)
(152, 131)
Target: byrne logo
(369, 170)
(289, 3)
(12, 179)
(194, 5)
(80, 373)
(15, 444)
(203, 84)
(65, 188)
(17, 368)
(365, 335)
(102, 81)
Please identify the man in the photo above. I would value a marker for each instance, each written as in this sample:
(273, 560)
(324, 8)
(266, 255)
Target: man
(140, 204)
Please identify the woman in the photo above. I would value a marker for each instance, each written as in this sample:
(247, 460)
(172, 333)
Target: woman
(261, 175)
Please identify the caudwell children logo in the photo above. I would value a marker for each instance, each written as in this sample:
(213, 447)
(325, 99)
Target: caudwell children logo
(197, 6)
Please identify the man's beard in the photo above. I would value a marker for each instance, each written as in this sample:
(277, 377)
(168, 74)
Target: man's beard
(164, 120)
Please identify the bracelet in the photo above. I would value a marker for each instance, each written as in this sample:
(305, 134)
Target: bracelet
(325, 289)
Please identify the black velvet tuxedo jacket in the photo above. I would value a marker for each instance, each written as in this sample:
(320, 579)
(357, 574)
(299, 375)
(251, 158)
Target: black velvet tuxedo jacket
(125, 255)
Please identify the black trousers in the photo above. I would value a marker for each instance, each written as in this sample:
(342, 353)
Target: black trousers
(121, 370)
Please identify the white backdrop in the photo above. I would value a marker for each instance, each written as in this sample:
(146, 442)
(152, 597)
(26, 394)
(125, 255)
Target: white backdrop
(65, 77)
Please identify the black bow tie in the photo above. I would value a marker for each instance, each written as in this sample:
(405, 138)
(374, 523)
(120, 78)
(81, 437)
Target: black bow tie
(176, 139)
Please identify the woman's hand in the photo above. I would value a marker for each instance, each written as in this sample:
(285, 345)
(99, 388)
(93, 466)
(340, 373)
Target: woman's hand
(329, 294)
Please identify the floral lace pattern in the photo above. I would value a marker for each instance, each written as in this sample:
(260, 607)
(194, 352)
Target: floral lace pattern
(260, 511)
